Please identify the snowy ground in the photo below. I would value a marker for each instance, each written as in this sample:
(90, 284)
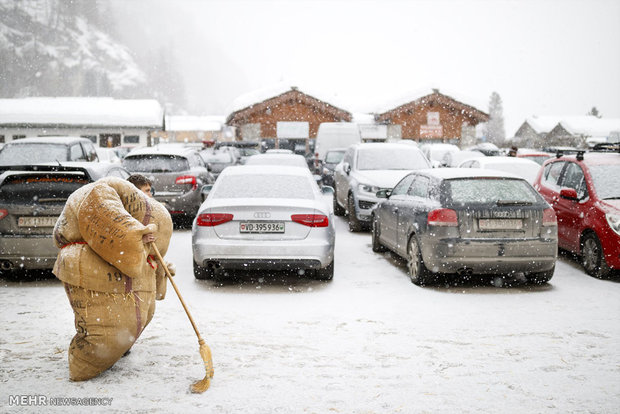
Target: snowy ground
(367, 342)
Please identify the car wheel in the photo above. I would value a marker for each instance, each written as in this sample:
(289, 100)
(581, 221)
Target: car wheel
(541, 278)
(354, 223)
(415, 264)
(377, 247)
(338, 211)
(202, 273)
(592, 257)
(326, 273)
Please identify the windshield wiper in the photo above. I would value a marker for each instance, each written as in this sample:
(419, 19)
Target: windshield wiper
(513, 203)
(611, 198)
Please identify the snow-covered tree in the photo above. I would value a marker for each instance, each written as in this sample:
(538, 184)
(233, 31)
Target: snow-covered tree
(495, 127)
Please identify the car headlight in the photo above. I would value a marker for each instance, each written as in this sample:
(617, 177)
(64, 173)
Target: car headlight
(614, 222)
(365, 188)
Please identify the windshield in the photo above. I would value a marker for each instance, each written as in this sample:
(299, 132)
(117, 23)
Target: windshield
(606, 180)
(391, 159)
(25, 154)
(246, 152)
(490, 191)
(264, 186)
(156, 163)
(334, 157)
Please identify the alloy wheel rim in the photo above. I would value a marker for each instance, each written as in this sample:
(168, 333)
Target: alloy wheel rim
(590, 254)
(412, 263)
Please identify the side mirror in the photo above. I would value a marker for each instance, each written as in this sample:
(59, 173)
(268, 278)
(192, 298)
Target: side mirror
(569, 194)
(384, 193)
(327, 190)
(206, 189)
(346, 168)
(209, 168)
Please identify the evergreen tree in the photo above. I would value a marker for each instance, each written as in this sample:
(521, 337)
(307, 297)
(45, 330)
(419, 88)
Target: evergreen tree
(594, 112)
(495, 128)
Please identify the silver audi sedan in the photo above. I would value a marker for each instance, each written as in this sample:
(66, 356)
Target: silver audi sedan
(461, 221)
(264, 217)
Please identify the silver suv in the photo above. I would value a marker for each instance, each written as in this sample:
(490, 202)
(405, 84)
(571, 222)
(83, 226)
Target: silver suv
(178, 175)
(366, 169)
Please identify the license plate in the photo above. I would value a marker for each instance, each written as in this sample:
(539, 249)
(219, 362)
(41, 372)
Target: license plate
(37, 221)
(500, 224)
(262, 227)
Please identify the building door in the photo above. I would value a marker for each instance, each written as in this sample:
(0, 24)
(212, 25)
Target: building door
(109, 140)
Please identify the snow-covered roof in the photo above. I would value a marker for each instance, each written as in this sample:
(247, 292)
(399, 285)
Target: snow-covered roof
(195, 123)
(362, 118)
(260, 95)
(543, 123)
(591, 126)
(146, 113)
(476, 102)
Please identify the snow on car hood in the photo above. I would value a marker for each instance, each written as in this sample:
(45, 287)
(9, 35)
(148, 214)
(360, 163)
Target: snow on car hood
(381, 178)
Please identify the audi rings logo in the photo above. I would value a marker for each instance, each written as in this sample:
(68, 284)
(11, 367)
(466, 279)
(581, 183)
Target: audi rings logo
(262, 215)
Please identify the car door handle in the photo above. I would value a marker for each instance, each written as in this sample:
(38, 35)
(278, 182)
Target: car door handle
(395, 210)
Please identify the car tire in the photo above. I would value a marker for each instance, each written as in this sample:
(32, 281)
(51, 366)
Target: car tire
(592, 257)
(377, 247)
(338, 211)
(202, 273)
(540, 278)
(326, 273)
(354, 224)
(418, 273)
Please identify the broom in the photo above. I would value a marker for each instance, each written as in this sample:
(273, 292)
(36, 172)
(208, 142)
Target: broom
(205, 352)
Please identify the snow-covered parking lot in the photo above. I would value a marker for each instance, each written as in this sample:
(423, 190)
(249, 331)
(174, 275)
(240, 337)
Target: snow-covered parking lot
(367, 342)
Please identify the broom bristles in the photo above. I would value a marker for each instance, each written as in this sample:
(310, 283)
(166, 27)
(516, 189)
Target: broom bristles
(202, 385)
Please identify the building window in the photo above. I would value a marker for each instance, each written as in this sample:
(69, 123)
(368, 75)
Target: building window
(1, 138)
(131, 139)
(18, 136)
(93, 138)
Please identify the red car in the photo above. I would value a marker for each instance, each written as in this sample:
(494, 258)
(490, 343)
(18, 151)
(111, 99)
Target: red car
(584, 190)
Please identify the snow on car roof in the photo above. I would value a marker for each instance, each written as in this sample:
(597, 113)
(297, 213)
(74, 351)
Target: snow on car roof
(162, 150)
(393, 145)
(449, 173)
(266, 170)
(48, 140)
(279, 159)
(506, 160)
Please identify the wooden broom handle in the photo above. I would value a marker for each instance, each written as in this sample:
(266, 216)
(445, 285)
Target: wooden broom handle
(174, 285)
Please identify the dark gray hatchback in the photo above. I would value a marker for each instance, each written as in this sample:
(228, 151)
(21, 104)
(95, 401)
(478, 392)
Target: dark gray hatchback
(464, 221)
(31, 199)
(178, 175)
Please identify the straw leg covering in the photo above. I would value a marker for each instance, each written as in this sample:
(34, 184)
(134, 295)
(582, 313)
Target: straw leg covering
(107, 325)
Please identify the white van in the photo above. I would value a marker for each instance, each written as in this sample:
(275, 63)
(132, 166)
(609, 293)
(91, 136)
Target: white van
(334, 135)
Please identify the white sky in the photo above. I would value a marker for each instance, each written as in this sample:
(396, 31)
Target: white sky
(543, 57)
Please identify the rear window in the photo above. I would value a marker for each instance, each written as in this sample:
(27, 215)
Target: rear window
(264, 186)
(156, 163)
(26, 154)
(40, 188)
(490, 191)
(391, 159)
(223, 157)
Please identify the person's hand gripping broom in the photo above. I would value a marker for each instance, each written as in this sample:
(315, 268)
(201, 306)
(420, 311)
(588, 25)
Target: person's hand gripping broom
(205, 352)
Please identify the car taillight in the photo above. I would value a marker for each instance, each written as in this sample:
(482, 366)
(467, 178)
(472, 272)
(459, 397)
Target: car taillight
(443, 217)
(549, 218)
(311, 220)
(213, 219)
(187, 179)
(3, 213)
